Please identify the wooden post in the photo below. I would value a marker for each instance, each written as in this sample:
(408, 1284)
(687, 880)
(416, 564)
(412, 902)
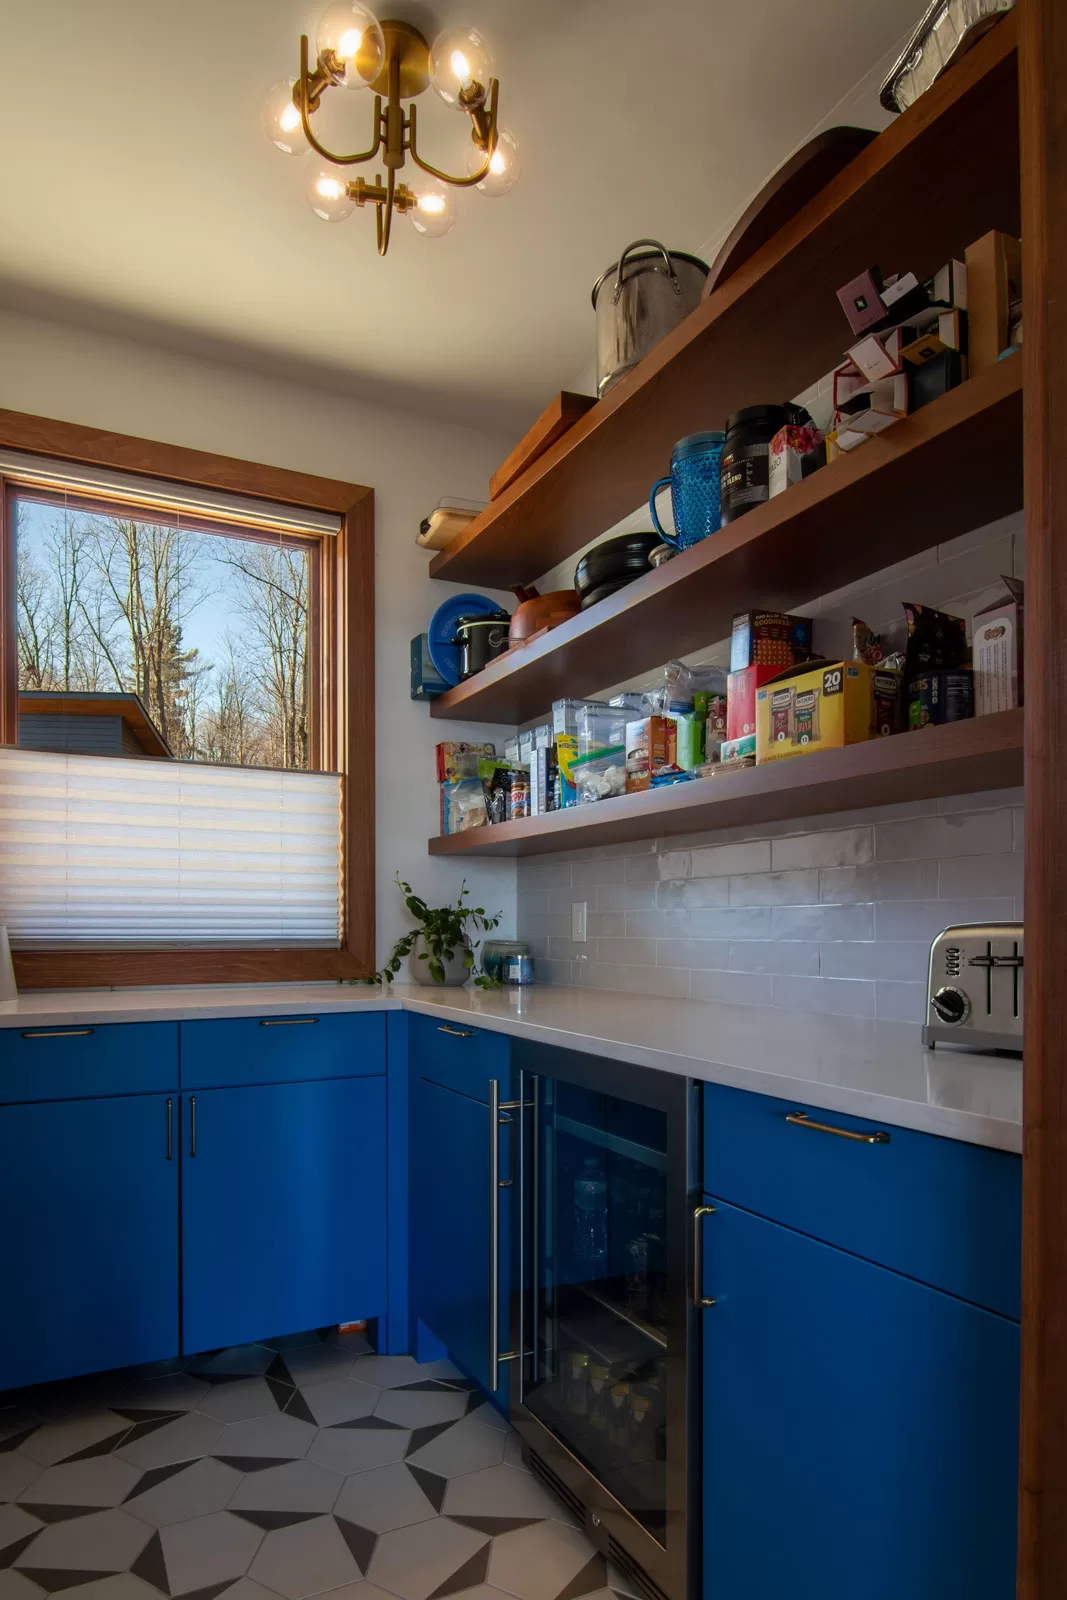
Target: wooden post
(1043, 1462)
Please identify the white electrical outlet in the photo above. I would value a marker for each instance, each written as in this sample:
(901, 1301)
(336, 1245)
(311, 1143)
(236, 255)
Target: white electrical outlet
(579, 909)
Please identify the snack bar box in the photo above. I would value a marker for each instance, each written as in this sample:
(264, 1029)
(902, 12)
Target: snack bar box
(823, 705)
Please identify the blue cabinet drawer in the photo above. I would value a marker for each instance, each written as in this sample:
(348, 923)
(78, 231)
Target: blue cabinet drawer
(946, 1213)
(79, 1061)
(446, 1051)
(233, 1051)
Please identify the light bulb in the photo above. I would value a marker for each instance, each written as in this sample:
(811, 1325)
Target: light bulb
(434, 211)
(458, 58)
(352, 37)
(505, 165)
(281, 119)
(328, 196)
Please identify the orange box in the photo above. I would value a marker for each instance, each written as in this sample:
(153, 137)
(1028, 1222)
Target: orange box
(650, 745)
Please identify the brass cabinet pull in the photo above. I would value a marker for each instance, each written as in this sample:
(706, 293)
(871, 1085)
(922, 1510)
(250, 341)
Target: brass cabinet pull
(192, 1125)
(170, 1130)
(456, 1033)
(700, 1300)
(286, 1022)
(800, 1119)
(56, 1033)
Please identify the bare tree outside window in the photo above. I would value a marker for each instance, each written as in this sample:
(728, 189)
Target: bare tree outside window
(210, 630)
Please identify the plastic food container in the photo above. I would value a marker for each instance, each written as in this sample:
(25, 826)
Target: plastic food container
(600, 775)
(948, 29)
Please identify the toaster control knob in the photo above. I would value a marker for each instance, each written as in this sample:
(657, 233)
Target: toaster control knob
(951, 1005)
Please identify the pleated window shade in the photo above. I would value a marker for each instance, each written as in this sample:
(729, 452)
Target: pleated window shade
(115, 853)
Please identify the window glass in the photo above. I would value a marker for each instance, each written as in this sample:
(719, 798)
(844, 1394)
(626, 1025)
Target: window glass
(207, 630)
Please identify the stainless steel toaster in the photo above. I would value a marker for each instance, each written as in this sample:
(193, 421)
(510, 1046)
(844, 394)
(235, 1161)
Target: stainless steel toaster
(976, 987)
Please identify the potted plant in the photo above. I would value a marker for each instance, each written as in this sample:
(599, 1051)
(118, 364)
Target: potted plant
(443, 946)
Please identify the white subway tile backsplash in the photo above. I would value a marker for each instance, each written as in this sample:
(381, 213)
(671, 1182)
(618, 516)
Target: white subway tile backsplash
(961, 876)
(775, 889)
(546, 874)
(642, 869)
(725, 860)
(775, 956)
(672, 983)
(697, 954)
(590, 874)
(891, 880)
(900, 1002)
(733, 988)
(674, 864)
(823, 922)
(978, 833)
(628, 952)
(844, 847)
(606, 924)
(626, 897)
(924, 919)
(696, 895)
(834, 997)
(894, 960)
(1018, 835)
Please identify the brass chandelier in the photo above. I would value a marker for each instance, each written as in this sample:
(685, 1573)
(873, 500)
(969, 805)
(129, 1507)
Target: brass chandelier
(356, 51)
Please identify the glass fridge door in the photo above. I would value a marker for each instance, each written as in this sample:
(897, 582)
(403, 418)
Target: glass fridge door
(598, 1374)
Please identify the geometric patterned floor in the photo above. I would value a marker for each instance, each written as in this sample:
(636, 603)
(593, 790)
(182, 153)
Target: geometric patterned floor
(305, 1466)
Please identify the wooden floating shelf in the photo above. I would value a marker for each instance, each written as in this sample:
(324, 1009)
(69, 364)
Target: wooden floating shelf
(953, 466)
(938, 177)
(960, 758)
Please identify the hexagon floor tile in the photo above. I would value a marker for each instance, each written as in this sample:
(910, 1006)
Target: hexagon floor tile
(302, 1466)
(384, 1499)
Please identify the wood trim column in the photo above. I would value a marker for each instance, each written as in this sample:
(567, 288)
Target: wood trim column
(1043, 1458)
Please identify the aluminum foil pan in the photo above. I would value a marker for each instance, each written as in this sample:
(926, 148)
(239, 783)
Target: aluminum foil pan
(948, 29)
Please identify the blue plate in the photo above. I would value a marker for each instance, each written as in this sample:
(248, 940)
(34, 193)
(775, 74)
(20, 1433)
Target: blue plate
(446, 656)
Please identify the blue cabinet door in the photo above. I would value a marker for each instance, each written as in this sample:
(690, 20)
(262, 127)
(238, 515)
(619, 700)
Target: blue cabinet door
(90, 1207)
(283, 1209)
(859, 1427)
(450, 1208)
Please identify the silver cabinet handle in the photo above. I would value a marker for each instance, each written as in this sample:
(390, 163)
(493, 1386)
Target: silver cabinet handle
(170, 1130)
(700, 1300)
(494, 1231)
(192, 1125)
(800, 1119)
(57, 1033)
(459, 1033)
(287, 1022)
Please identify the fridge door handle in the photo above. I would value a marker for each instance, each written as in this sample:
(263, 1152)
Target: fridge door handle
(700, 1300)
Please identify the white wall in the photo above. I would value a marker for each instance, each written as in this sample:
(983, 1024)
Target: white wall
(60, 371)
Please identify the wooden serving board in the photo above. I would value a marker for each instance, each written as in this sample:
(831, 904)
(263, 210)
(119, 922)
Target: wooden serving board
(551, 425)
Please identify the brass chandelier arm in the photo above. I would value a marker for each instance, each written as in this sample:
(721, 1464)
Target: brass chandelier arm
(383, 214)
(490, 147)
(309, 96)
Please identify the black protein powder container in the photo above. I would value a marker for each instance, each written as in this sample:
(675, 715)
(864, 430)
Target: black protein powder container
(746, 458)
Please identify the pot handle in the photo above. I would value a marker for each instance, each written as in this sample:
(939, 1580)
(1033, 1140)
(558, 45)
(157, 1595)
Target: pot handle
(668, 538)
(653, 244)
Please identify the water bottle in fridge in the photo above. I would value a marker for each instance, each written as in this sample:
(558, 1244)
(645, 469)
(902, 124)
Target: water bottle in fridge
(591, 1218)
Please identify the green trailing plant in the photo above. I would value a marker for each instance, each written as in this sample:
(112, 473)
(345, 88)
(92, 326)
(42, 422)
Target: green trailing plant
(445, 930)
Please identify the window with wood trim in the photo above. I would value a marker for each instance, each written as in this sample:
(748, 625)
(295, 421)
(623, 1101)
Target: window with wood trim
(186, 792)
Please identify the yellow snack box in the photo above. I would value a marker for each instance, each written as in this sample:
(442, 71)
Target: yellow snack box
(822, 705)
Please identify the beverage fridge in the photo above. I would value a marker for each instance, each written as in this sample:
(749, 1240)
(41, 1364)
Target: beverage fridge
(602, 1344)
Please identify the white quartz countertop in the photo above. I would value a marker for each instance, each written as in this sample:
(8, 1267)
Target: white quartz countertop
(853, 1065)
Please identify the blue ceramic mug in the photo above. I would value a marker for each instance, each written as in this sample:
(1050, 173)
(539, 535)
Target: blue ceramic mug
(694, 485)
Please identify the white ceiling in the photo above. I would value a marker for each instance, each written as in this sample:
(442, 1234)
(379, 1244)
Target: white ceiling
(138, 193)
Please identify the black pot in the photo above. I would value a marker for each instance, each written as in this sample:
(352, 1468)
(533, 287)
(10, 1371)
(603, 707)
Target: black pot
(617, 561)
(481, 639)
(605, 590)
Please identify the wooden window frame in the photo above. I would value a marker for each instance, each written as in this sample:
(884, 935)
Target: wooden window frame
(342, 642)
